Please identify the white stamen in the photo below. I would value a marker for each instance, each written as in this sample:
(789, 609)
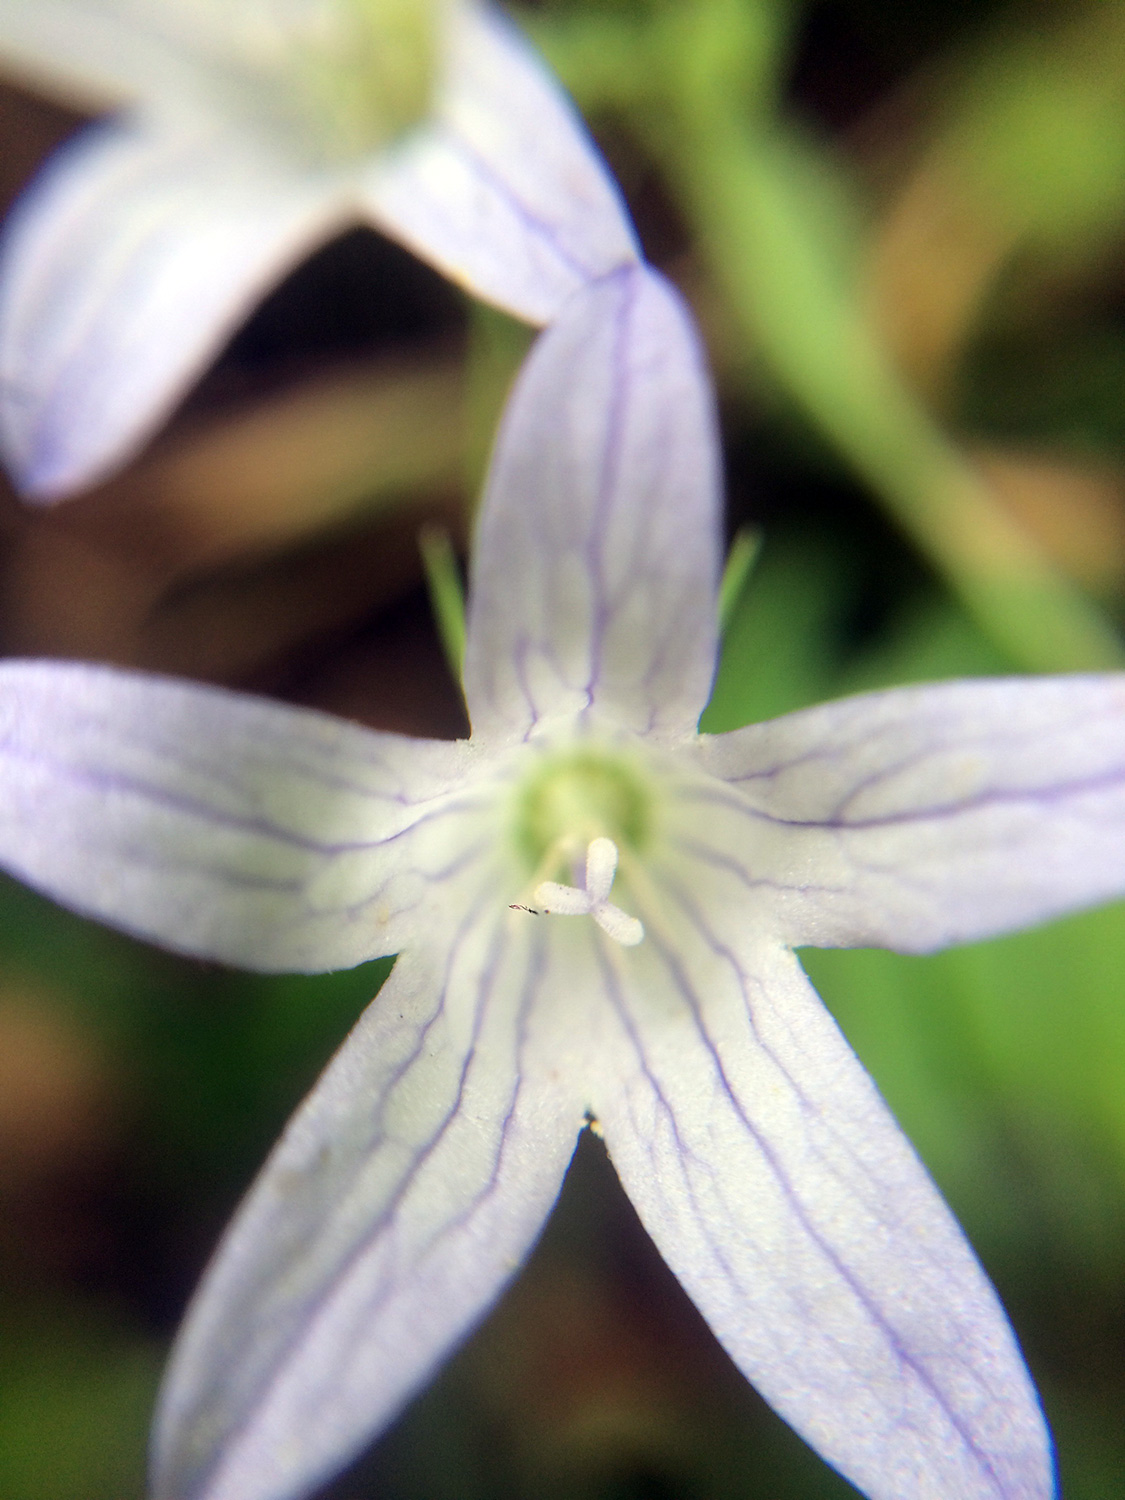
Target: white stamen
(571, 901)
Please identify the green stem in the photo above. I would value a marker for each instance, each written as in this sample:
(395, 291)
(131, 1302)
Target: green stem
(757, 234)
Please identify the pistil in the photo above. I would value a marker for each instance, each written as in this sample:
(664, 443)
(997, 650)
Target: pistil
(558, 900)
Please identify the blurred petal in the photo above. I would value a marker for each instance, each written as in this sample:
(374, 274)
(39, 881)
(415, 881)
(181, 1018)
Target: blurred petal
(595, 570)
(226, 826)
(124, 268)
(927, 816)
(782, 1193)
(402, 1196)
(103, 52)
(504, 192)
(264, 65)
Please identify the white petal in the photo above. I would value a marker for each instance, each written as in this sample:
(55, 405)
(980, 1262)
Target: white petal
(595, 570)
(927, 816)
(125, 267)
(504, 192)
(104, 52)
(403, 1195)
(601, 867)
(225, 826)
(781, 1192)
(562, 900)
(249, 62)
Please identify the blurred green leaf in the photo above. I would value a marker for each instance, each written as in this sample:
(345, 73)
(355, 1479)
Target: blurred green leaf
(1038, 123)
(76, 1392)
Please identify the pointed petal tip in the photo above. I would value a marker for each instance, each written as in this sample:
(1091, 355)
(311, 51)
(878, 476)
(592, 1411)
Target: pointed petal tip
(43, 481)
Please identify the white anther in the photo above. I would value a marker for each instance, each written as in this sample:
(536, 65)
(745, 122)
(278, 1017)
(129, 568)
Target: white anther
(572, 901)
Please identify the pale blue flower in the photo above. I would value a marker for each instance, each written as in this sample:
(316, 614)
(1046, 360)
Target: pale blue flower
(249, 136)
(661, 995)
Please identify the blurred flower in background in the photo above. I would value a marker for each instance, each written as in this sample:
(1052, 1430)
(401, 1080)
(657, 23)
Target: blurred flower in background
(250, 134)
(914, 302)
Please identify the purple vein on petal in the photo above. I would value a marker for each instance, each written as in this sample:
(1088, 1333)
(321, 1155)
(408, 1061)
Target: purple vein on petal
(540, 227)
(379, 1223)
(810, 1108)
(609, 480)
(769, 1155)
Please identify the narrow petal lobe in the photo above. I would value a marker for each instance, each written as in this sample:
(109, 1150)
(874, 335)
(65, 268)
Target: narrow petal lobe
(103, 53)
(225, 826)
(399, 1201)
(596, 562)
(782, 1193)
(926, 816)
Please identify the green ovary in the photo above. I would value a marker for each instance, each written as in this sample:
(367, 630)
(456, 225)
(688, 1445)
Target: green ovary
(578, 796)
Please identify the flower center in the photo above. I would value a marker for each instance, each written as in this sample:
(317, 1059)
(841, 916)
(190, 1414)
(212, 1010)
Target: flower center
(348, 75)
(370, 77)
(576, 797)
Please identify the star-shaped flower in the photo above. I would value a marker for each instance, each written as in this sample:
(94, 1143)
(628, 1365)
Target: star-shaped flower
(413, 1181)
(252, 132)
